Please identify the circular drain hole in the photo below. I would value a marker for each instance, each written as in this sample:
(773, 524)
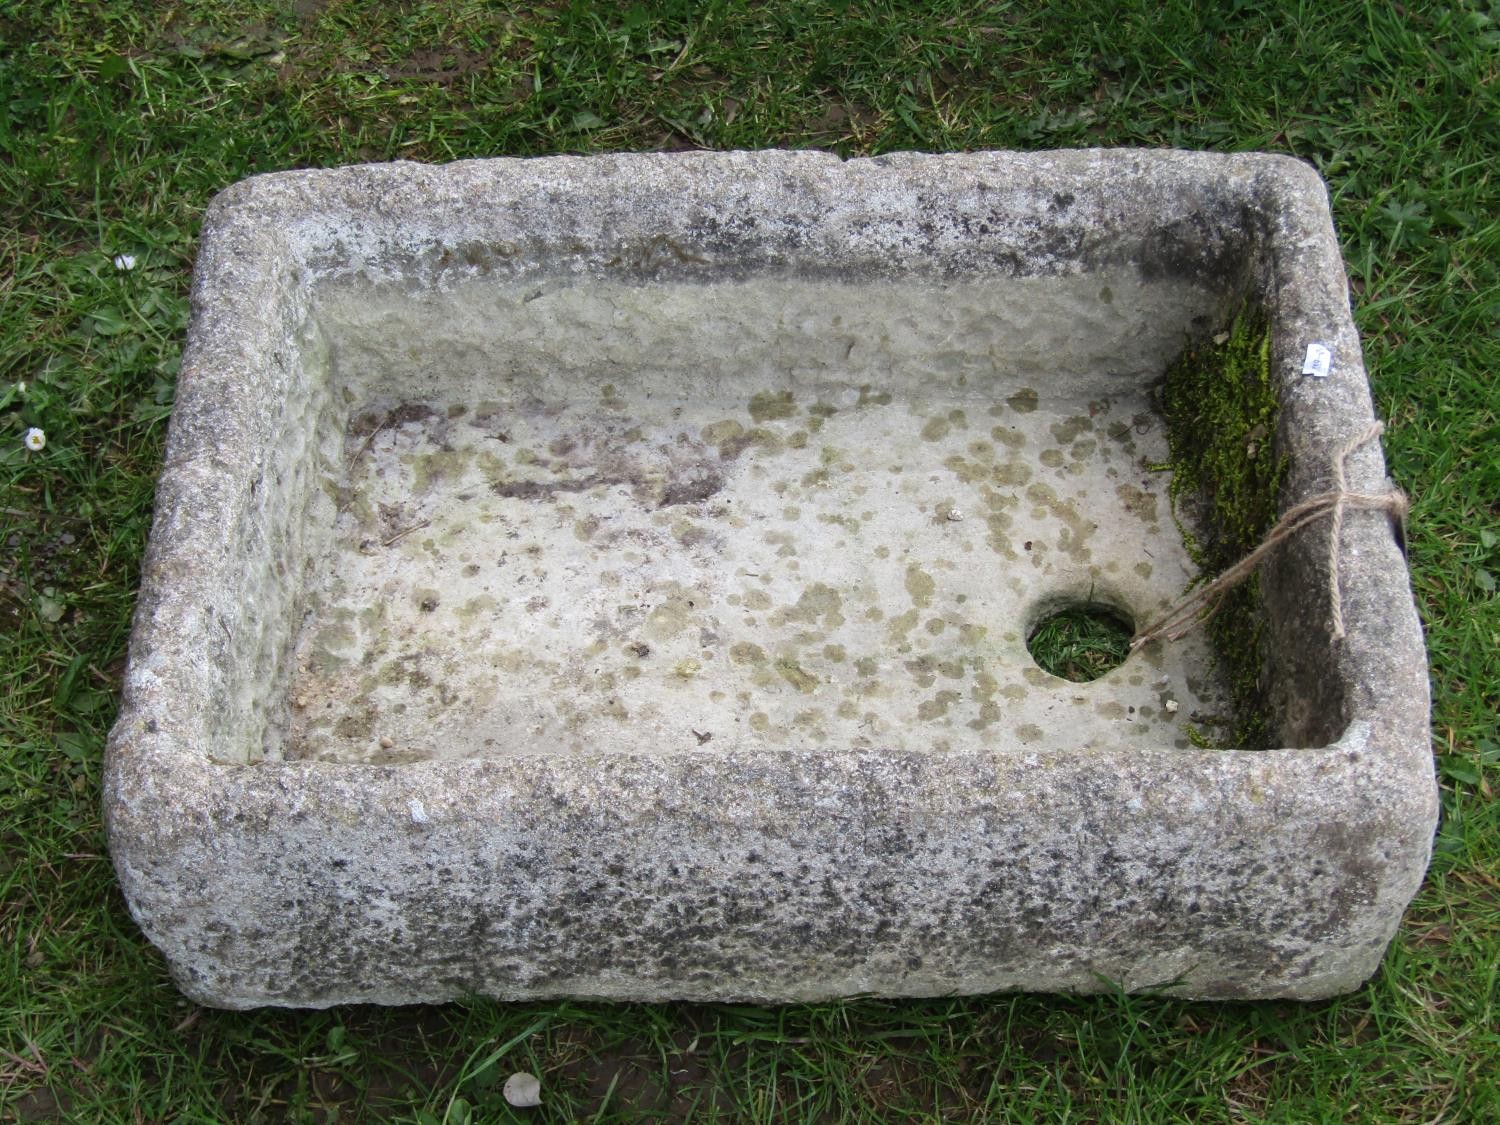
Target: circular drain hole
(1080, 642)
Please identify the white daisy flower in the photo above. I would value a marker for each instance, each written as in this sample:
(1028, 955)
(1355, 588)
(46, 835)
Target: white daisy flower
(36, 439)
(124, 261)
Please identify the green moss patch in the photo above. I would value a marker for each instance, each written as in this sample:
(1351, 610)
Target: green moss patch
(1221, 406)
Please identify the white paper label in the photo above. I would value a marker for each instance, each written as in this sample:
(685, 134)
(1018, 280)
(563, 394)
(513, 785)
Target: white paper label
(1319, 361)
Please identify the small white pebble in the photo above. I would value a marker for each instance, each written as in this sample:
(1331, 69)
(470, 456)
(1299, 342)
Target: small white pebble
(954, 515)
(1171, 706)
(124, 261)
(523, 1090)
(386, 742)
(1221, 337)
(36, 439)
(418, 813)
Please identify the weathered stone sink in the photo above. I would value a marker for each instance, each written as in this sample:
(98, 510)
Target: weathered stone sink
(611, 577)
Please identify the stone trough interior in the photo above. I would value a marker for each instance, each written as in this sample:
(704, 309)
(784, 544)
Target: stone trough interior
(565, 514)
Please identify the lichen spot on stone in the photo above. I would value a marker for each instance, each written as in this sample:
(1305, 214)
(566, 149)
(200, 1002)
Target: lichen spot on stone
(920, 586)
(1023, 401)
(767, 406)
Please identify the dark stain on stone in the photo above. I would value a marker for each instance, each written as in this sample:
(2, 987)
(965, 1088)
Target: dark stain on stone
(407, 412)
(541, 490)
(692, 489)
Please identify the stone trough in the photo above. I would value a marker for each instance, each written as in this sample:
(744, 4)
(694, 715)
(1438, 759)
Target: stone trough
(612, 577)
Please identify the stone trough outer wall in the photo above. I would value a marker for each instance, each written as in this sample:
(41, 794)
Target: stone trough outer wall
(767, 875)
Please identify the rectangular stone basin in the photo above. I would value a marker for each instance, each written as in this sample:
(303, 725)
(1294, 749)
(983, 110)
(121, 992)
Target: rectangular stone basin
(612, 577)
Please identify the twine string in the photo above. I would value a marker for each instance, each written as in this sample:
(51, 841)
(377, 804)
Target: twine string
(1201, 605)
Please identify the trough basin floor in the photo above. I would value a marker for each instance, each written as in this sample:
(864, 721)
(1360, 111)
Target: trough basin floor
(619, 572)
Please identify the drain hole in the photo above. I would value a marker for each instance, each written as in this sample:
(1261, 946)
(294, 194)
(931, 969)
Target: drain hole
(1080, 642)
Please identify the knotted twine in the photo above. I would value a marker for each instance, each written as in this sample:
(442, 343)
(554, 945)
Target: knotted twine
(1201, 605)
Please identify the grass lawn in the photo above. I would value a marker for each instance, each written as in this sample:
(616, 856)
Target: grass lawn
(119, 121)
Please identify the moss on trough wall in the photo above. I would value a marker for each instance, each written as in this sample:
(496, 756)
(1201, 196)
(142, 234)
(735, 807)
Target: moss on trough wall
(1220, 402)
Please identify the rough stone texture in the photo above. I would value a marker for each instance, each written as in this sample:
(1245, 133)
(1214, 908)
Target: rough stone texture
(555, 590)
